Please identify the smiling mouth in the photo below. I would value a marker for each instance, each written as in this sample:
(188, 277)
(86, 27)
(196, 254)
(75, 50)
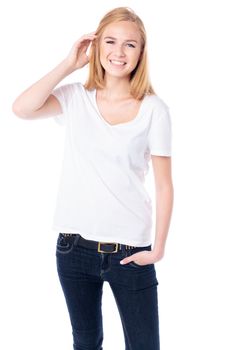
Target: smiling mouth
(117, 63)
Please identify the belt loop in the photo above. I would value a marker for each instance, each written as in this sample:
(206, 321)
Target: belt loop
(77, 239)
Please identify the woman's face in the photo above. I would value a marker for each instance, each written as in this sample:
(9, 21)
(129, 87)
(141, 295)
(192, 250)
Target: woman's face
(120, 48)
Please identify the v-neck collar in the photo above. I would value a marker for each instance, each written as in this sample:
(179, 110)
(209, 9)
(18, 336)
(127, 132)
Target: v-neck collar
(132, 121)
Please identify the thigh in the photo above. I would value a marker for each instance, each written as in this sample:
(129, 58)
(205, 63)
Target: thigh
(137, 301)
(83, 294)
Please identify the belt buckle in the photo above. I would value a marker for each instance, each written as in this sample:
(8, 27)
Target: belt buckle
(102, 251)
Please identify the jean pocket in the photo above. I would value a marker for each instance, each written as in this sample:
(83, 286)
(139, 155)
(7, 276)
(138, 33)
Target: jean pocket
(134, 264)
(133, 251)
(64, 244)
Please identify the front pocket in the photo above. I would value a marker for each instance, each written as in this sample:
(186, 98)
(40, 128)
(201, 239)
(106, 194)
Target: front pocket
(64, 244)
(133, 251)
(134, 264)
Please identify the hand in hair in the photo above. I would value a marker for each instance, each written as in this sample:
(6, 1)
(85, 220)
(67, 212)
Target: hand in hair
(78, 57)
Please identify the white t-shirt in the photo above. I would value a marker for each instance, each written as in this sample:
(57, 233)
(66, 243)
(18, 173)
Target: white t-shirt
(101, 190)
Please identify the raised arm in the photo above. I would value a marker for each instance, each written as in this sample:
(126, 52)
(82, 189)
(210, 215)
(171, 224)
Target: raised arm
(37, 100)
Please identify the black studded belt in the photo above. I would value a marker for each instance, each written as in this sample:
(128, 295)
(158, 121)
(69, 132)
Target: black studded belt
(101, 247)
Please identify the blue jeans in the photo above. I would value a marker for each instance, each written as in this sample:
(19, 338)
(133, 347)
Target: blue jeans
(82, 272)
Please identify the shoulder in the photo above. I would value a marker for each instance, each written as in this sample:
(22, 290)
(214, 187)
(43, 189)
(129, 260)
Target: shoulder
(156, 103)
(80, 88)
(158, 109)
(76, 86)
(73, 90)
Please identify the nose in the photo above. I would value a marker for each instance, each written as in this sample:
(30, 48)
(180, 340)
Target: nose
(119, 51)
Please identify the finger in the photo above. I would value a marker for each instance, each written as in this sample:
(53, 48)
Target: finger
(87, 36)
(124, 261)
(82, 44)
(85, 40)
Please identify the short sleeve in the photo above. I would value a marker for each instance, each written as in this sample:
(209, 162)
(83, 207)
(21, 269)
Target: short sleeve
(64, 94)
(160, 132)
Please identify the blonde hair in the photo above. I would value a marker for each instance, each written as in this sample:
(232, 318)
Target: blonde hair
(139, 79)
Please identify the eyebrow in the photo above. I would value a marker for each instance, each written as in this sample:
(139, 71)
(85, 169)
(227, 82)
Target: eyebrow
(110, 37)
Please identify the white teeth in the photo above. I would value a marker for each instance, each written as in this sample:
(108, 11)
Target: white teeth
(117, 62)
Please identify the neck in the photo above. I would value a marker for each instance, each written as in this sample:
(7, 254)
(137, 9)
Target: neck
(116, 88)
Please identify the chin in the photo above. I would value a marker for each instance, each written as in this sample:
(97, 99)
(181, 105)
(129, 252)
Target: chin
(117, 76)
(112, 73)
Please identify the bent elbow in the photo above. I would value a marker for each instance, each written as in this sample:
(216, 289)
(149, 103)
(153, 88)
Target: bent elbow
(18, 111)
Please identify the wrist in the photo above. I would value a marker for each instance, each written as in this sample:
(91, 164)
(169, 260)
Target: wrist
(157, 254)
(158, 249)
(66, 66)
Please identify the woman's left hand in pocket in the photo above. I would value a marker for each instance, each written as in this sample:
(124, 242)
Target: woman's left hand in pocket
(144, 257)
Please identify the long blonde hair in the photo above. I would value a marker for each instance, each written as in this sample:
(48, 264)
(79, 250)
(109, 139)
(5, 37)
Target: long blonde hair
(139, 80)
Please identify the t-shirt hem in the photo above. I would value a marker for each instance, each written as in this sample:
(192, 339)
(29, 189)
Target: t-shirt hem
(161, 153)
(100, 238)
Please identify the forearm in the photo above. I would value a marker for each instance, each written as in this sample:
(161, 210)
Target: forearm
(164, 205)
(35, 96)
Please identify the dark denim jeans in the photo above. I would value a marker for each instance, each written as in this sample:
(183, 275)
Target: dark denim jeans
(82, 272)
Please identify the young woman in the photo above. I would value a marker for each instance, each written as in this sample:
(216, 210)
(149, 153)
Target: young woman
(115, 124)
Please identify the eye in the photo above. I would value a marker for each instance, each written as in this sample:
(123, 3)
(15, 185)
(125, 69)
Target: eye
(131, 45)
(110, 42)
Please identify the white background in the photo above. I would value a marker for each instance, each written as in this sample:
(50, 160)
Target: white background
(190, 51)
